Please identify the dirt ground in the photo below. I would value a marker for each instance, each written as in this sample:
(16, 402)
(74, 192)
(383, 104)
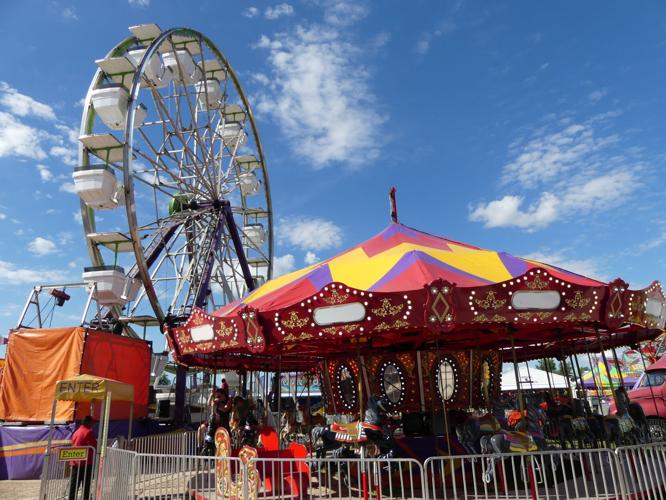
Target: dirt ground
(22, 490)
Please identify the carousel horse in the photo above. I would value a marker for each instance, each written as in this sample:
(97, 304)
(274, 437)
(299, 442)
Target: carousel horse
(595, 423)
(574, 428)
(527, 437)
(638, 415)
(290, 426)
(339, 437)
(621, 428)
(475, 427)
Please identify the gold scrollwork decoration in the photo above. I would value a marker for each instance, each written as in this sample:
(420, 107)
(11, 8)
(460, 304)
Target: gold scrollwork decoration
(490, 302)
(384, 326)
(537, 283)
(580, 317)
(578, 301)
(293, 337)
(332, 330)
(538, 315)
(223, 330)
(294, 321)
(482, 318)
(335, 297)
(387, 309)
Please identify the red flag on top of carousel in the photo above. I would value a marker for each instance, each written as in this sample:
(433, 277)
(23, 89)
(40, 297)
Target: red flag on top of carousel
(404, 285)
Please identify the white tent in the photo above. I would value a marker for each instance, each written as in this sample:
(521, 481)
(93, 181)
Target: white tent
(532, 379)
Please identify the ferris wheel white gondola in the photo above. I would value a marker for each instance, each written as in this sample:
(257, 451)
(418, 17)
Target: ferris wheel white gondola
(183, 118)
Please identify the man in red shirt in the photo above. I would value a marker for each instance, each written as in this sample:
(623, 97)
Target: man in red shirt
(82, 470)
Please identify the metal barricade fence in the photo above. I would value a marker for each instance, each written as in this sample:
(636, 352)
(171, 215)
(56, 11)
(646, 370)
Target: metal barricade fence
(643, 470)
(116, 475)
(182, 476)
(561, 474)
(66, 474)
(333, 478)
(168, 443)
(628, 472)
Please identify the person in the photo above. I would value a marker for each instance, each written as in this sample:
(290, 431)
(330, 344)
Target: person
(225, 386)
(82, 470)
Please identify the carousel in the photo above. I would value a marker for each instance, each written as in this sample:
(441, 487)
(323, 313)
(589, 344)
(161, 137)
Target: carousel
(407, 333)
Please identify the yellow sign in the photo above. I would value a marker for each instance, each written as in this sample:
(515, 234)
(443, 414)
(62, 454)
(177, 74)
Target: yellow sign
(71, 454)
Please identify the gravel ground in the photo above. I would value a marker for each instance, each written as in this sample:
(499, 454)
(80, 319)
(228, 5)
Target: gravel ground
(19, 490)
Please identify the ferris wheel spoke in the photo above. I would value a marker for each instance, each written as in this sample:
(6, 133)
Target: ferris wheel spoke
(211, 149)
(177, 132)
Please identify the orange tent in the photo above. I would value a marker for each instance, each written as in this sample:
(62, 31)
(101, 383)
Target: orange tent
(37, 359)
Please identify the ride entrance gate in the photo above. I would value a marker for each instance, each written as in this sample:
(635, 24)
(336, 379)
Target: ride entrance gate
(71, 471)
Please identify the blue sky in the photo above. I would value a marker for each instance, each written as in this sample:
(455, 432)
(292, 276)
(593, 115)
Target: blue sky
(532, 128)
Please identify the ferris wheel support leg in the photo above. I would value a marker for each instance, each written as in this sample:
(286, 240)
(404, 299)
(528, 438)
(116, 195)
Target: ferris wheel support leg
(181, 379)
(238, 246)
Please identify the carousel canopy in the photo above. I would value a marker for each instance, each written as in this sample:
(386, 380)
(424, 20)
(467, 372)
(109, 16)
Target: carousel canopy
(404, 289)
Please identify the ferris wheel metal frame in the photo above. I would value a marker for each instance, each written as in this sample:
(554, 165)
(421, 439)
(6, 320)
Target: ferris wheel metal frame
(204, 239)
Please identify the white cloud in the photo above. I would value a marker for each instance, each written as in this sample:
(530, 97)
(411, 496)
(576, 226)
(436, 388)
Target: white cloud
(22, 105)
(41, 246)
(280, 10)
(44, 173)
(309, 234)
(251, 12)
(548, 156)
(70, 14)
(597, 95)
(13, 275)
(283, 265)
(507, 212)
(68, 187)
(319, 95)
(311, 258)
(579, 167)
(77, 217)
(602, 192)
(585, 267)
(344, 12)
(19, 139)
(139, 3)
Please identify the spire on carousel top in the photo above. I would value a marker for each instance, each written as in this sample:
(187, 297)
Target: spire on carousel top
(394, 206)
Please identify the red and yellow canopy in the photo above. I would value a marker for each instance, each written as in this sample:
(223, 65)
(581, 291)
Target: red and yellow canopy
(405, 288)
(396, 260)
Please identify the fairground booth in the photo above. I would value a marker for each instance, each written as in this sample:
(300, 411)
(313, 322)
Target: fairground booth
(36, 360)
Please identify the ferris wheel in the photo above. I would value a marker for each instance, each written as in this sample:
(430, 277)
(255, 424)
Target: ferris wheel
(175, 198)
